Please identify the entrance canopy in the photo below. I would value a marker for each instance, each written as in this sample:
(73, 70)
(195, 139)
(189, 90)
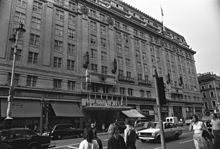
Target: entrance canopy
(133, 113)
(22, 109)
(66, 109)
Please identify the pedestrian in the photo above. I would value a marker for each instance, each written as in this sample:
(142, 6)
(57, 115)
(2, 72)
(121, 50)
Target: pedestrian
(129, 135)
(215, 122)
(197, 127)
(94, 130)
(89, 142)
(115, 140)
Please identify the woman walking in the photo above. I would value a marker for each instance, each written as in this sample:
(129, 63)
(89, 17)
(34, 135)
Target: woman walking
(197, 127)
(215, 122)
(115, 140)
(129, 135)
(89, 142)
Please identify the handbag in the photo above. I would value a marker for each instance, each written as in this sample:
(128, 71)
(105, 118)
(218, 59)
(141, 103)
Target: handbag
(207, 135)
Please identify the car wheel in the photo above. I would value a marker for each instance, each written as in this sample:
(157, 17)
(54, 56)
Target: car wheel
(176, 136)
(35, 146)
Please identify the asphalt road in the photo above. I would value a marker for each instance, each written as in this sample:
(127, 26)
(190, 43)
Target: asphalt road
(184, 142)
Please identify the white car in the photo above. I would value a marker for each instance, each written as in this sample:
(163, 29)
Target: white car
(153, 131)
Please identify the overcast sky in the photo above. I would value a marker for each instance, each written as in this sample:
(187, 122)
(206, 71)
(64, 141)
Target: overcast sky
(197, 20)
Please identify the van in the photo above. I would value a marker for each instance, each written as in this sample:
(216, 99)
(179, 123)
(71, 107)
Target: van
(174, 120)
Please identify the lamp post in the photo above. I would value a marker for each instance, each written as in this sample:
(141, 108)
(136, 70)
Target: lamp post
(14, 40)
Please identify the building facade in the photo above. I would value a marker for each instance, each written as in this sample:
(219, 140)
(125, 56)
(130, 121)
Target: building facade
(92, 59)
(209, 84)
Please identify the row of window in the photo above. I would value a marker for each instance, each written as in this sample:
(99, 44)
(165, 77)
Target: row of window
(31, 81)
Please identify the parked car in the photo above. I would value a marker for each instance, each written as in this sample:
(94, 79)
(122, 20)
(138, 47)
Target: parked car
(174, 120)
(141, 126)
(23, 138)
(188, 121)
(60, 131)
(152, 132)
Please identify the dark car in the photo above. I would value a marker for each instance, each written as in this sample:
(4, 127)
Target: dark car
(23, 138)
(60, 131)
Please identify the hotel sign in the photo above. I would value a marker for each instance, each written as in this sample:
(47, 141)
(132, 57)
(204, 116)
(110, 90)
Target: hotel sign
(101, 102)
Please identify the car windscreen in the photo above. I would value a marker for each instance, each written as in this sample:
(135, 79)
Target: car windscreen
(153, 125)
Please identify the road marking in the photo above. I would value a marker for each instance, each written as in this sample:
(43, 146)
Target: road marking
(158, 147)
(72, 147)
(186, 141)
(66, 145)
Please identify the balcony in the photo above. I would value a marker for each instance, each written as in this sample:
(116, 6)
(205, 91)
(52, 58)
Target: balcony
(125, 79)
(144, 82)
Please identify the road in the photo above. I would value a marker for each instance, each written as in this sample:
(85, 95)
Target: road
(184, 142)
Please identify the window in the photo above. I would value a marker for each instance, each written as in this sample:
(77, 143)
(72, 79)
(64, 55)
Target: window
(139, 66)
(102, 17)
(59, 15)
(57, 62)
(70, 65)
(128, 74)
(213, 104)
(204, 95)
(206, 105)
(103, 30)
(31, 81)
(33, 57)
(19, 17)
(135, 32)
(138, 56)
(94, 67)
(117, 24)
(148, 94)
(126, 38)
(93, 40)
(22, 3)
(93, 26)
(130, 92)
(57, 83)
(72, 19)
(92, 13)
(104, 69)
(58, 30)
(125, 27)
(71, 85)
(71, 34)
(35, 23)
(58, 45)
(60, 2)
(103, 43)
(146, 68)
(118, 37)
(18, 54)
(142, 93)
(122, 90)
(119, 49)
(16, 78)
(128, 62)
(71, 49)
(93, 53)
(104, 56)
(126, 50)
(211, 94)
(210, 86)
(37, 6)
(139, 77)
(72, 6)
(120, 72)
(34, 39)
(120, 60)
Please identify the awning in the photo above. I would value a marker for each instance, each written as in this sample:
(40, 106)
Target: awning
(133, 113)
(65, 109)
(22, 108)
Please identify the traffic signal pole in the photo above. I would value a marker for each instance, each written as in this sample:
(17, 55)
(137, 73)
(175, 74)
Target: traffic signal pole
(163, 145)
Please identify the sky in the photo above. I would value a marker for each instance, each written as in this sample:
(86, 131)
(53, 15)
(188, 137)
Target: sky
(198, 21)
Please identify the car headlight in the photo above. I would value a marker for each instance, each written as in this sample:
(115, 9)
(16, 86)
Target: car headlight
(154, 134)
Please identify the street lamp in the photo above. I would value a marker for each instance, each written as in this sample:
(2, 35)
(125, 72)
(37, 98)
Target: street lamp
(13, 39)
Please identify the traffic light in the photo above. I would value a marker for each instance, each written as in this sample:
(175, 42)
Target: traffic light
(161, 91)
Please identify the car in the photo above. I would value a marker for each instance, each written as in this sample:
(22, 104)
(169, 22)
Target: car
(152, 132)
(61, 131)
(23, 138)
(174, 120)
(141, 125)
(188, 121)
